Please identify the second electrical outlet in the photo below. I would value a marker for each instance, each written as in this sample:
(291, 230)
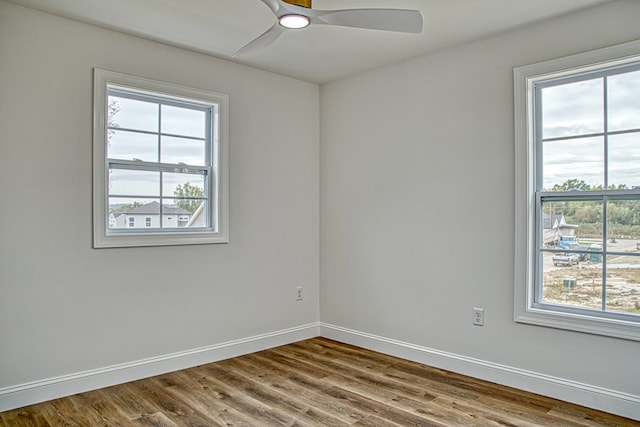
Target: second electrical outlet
(299, 296)
(478, 316)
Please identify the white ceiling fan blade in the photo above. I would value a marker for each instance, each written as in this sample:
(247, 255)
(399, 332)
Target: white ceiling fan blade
(274, 5)
(263, 40)
(399, 20)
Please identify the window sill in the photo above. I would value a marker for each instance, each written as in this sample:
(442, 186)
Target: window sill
(125, 240)
(579, 323)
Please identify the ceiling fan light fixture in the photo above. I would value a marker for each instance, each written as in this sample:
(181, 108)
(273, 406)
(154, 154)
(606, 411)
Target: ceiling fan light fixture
(294, 21)
(298, 14)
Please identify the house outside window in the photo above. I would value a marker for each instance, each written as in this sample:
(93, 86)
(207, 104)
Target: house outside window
(578, 192)
(160, 153)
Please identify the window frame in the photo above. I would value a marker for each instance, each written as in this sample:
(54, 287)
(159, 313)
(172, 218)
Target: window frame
(218, 232)
(526, 310)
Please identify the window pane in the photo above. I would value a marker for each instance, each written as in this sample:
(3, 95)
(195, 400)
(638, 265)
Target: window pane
(623, 225)
(579, 159)
(577, 285)
(574, 276)
(572, 225)
(191, 212)
(126, 182)
(174, 215)
(132, 212)
(134, 114)
(573, 109)
(183, 121)
(623, 283)
(624, 159)
(198, 216)
(183, 185)
(133, 145)
(182, 150)
(624, 101)
(587, 217)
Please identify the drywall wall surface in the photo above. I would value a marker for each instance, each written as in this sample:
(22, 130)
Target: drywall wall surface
(417, 203)
(68, 308)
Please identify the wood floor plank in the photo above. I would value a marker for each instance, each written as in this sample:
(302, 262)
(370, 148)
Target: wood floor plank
(370, 393)
(307, 402)
(173, 406)
(488, 415)
(370, 381)
(414, 374)
(128, 404)
(588, 417)
(157, 419)
(420, 382)
(373, 421)
(103, 413)
(413, 403)
(258, 412)
(62, 412)
(304, 387)
(385, 412)
(316, 382)
(25, 417)
(93, 407)
(299, 410)
(208, 401)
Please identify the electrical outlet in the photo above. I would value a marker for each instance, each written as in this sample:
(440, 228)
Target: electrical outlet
(299, 296)
(478, 316)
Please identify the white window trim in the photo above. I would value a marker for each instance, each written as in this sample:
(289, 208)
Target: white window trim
(102, 239)
(524, 310)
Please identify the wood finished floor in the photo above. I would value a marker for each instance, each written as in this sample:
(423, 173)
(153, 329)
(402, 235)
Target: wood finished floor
(317, 382)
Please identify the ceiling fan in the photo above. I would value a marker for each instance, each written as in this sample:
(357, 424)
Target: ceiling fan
(297, 14)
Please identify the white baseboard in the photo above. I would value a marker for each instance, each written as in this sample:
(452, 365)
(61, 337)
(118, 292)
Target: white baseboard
(53, 388)
(611, 401)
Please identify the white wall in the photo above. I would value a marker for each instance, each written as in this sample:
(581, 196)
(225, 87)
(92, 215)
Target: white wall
(416, 170)
(67, 308)
(417, 204)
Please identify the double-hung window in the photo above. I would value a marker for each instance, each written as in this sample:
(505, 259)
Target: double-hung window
(159, 163)
(578, 192)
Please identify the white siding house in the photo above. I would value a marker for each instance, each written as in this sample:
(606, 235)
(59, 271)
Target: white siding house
(148, 216)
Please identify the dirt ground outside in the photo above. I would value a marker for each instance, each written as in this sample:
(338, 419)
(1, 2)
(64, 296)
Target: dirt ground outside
(581, 285)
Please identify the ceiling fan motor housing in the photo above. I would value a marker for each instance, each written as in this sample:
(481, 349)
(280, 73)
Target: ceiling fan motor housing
(303, 3)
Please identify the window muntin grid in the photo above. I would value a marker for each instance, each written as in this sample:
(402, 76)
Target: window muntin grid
(585, 128)
(161, 143)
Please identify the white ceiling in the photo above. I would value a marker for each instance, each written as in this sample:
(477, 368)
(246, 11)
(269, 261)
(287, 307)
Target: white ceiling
(319, 53)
